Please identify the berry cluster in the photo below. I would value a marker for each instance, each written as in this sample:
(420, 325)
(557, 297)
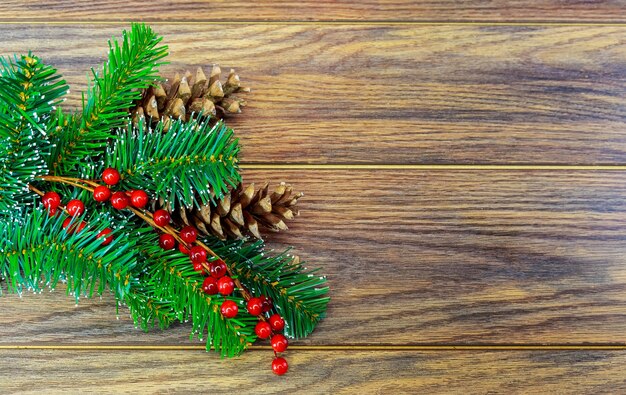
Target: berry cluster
(75, 207)
(217, 279)
(120, 199)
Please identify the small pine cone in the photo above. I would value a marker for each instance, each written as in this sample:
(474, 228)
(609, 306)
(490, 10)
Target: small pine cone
(183, 96)
(245, 210)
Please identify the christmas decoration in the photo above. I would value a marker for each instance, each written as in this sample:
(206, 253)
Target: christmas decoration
(79, 195)
(243, 211)
(182, 97)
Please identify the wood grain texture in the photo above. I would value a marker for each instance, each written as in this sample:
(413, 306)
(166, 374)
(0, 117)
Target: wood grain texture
(414, 257)
(313, 372)
(395, 94)
(309, 10)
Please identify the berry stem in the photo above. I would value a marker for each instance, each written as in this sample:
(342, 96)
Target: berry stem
(147, 216)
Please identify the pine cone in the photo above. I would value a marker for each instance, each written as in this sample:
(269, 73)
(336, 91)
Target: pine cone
(244, 211)
(182, 97)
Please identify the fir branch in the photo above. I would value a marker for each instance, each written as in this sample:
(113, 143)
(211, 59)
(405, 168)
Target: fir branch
(299, 294)
(30, 91)
(186, 165)
(35, 247)
(132, 66)
(172, 280)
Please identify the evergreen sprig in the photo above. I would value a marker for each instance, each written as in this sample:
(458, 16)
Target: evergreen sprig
(36, 248)
(29, 92)
(186, 165)
(132, 65)
(170, 282)
(299, 294)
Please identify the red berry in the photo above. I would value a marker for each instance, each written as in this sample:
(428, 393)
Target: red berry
(74, 227)
(279, 343)
(52, 211)
(119, 200)
(189, 234)
(110, 176)
(75, 207)
(183, 249)
(161, 217)
(66, 224)
(51, 200)
(167, 241)
(255, 306)
(81, 226)
(280, 366)
(101, 193)
(267, 303)
(277, 322)
(229, 308)
(103, 234)
(209, 286)
(263, 330)
(139, 199)
(226, 285)
(218, 268)
(198, 267)
(197, 254)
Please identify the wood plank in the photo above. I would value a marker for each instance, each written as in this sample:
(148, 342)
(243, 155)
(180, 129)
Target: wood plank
(314, 372)
(395, 94)
(414, 257)
(308, 10)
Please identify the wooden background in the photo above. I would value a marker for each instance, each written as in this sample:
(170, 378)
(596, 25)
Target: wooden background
(464, 165)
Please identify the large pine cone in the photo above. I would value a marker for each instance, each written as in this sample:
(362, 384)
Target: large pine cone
(182, 97)
(245, 211)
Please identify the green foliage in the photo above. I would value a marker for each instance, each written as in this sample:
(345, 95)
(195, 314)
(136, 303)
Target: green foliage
(35, 248)
(190, 163)
(132, 65)
(299, 294)
(183, 165)
(29, 92)
(169, 280)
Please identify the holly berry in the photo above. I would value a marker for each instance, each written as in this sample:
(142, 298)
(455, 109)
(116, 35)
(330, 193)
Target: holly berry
(189, 234)
(101, 193)
(75, 227)
(280, 366)
(167, 241)
(75, 207)
(110, 176)
(226, 285)
(198, 267)
(255, 306)
(51, 200)
(209, 286)
(277, 322)
(183, 249)
(79, 228)
(267, 303)
(218, 269)
(229, 308)
(107, 239)
(263, 330)
(197, 254)
(52, 211)
(119, 200)
(66, 224)
(138, 198)
(279, 343)
(161, 217)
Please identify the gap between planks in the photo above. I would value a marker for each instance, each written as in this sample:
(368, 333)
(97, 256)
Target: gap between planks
(524, 347)
(314, 23)
(295, 166)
